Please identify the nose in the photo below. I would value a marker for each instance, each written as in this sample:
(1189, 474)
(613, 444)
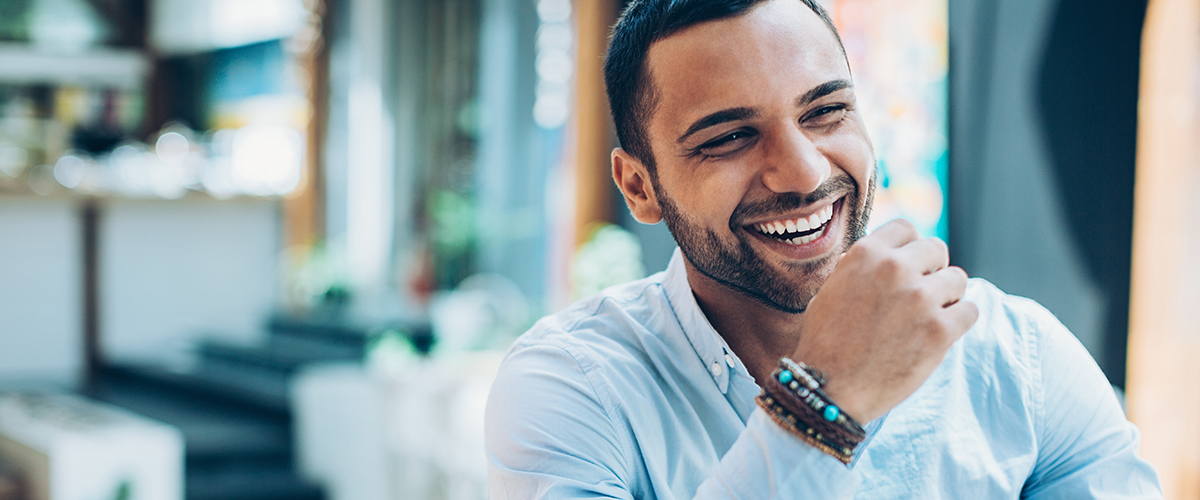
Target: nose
(793, 163)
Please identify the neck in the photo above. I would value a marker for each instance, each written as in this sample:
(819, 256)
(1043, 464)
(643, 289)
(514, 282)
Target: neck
(758, 334)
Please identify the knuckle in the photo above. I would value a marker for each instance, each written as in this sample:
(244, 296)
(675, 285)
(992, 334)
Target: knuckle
(936, 329)
(972, 311)
(941, 326)
(964, 316)
(905, 224)
(920, 295)
(891, 261)
(937, 243)
(939, 246)
(956, 278)
(947, 329)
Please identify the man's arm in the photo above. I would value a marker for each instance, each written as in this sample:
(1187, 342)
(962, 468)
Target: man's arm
(548, 434)
(551, 435)
(1086, 447)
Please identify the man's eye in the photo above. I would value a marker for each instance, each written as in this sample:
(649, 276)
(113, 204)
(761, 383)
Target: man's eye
(827, 115)
(725, 144)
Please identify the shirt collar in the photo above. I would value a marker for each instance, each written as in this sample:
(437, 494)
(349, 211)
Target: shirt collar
(714, 353)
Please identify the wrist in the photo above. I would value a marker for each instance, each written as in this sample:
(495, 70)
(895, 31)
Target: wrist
(794, 398)
(849, 401)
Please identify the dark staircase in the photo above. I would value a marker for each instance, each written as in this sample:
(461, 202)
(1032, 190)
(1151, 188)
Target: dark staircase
(234, 407)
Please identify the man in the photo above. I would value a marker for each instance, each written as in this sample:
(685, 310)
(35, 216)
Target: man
(740, 128)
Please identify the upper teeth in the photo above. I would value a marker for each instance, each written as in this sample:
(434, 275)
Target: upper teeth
(797, 225)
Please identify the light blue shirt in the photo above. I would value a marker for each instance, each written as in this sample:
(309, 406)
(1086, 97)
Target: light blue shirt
(633, 394)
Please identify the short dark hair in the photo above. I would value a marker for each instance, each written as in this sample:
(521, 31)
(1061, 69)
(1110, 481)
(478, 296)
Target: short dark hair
(631, 96)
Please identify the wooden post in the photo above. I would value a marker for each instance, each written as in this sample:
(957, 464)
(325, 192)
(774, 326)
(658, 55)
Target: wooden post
(304, 208)
(1164, 326)
(593, 125)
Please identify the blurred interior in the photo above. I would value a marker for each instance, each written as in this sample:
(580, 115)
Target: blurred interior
(281, 245)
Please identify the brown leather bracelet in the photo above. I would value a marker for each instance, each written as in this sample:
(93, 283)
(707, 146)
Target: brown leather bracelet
(803, 410)
(790, 374)
(793, 397)
(788, 422)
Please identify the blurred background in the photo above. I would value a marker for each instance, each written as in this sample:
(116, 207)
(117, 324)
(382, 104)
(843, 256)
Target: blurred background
(275, 249)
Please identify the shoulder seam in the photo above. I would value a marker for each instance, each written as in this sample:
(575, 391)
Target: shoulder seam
(600, 305)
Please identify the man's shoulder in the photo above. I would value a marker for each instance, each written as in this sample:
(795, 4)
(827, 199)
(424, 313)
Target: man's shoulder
(1009, 327)
(1004, 313)
(611, 324)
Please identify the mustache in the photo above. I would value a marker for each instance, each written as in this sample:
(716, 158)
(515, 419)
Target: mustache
(784, 202)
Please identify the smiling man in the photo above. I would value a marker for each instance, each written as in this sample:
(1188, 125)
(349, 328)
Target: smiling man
(783, 353)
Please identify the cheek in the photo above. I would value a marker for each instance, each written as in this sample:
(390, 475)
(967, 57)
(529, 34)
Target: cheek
(851, 153)
(710, 193)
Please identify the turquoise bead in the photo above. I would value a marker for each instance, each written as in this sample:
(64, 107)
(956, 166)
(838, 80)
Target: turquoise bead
(785, 376)
(831, 413)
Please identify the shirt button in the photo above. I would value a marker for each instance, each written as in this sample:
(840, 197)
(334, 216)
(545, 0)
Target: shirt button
(729, 360)
(716, 369)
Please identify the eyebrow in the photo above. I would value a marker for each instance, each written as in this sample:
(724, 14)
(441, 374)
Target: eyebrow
(722, 116)
(823, 90)
(734, 114)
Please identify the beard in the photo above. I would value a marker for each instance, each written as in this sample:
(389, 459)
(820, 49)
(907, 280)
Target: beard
(737, 266)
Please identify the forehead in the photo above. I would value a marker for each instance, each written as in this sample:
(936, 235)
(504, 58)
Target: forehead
(778, 50)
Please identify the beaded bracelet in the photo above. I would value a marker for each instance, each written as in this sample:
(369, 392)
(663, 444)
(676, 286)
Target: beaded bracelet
(787, 420)
(789, 372)
(836, 444)
(808, 406)
(794, 399)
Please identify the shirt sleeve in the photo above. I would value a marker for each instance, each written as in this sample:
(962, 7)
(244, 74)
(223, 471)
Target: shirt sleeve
(769, 462)
(1086, 447)
(551, 434)
(547, 432)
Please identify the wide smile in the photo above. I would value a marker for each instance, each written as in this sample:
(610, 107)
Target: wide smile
(800, 237)
(798, 231)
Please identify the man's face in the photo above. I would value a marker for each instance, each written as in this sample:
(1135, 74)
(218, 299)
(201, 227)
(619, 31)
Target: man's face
(756, 133)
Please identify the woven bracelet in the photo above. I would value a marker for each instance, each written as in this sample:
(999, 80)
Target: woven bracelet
(794, 399)
(801, 405)
(798, 428)
(807, 384)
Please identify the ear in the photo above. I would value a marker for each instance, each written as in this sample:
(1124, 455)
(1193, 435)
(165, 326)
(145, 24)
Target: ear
(633, 179)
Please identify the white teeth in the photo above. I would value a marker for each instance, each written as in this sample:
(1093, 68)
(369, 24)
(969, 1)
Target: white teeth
(800, 240)
(809, 223)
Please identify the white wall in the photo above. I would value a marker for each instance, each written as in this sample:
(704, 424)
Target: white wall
(41, 300)
(173, 271)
